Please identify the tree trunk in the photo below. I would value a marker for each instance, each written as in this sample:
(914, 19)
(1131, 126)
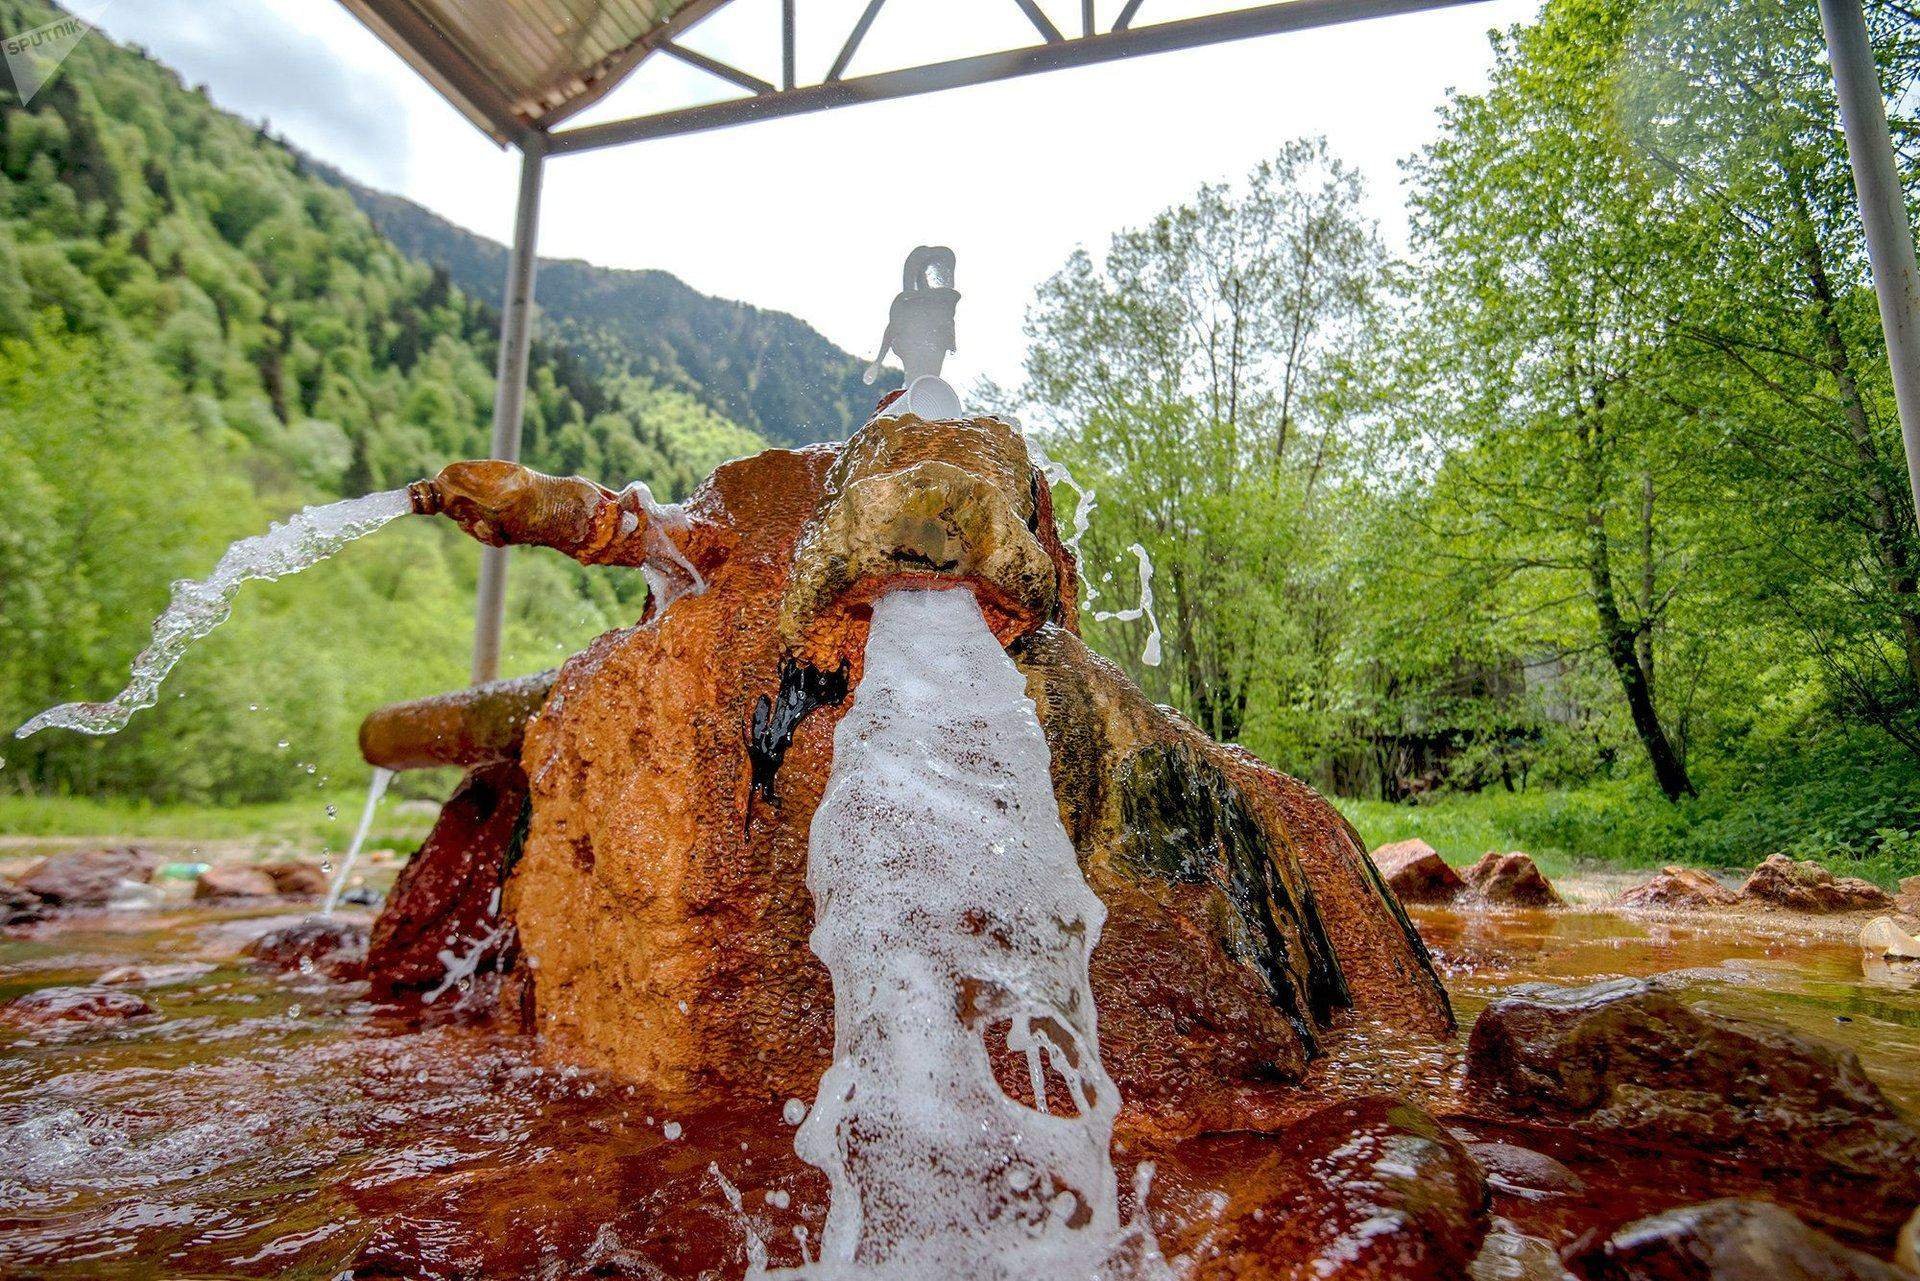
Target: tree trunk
(1620, 639)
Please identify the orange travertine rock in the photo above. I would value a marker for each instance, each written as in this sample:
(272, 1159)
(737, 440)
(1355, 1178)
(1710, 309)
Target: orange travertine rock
(660, 899)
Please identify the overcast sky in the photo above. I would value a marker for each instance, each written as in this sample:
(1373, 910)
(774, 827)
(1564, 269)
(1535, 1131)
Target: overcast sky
(815, 214)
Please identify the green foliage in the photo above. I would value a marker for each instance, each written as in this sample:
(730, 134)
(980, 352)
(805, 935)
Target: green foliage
(197, 337)
(1605, 511)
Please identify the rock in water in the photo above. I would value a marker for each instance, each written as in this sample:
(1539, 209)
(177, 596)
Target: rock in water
(73, 1007)
(1417, 874)
(1625, 1061)
(648, 831)
(1370, 1190)
(296, 878)
(953, 917)
(1510, 880)
(1805, 886)
(328, 944)
(234, 882)
(18, 904)
(1679, 887)
(1730, 1241)
(88, 878)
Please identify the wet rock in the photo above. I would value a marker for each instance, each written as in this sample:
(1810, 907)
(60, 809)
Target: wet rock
(1626, 1061)
(1370, 1189)
(297, 879)
(1523, 1172)
(1882, 937)
(88, 878)
(328, 944)
(73, 1006)
(1680, 888)
(1805, 886)
(447, 896)
(1908, 899)
(154, 975)
(657, 899)
(1416, 873)
(1729, 1240)
(18, 904)
(231, 882)
(1509, 880)
(1509, 1254)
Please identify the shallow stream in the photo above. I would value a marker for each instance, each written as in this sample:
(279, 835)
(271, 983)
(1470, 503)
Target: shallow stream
(282, 1125)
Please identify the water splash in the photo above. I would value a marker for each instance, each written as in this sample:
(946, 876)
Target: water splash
(308, 537)
(1150, 655)
(669, 574)
(1056, 473)
(953, 917)
(375, 790)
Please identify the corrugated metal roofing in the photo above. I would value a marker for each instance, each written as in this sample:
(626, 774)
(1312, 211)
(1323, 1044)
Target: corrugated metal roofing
(514, 64)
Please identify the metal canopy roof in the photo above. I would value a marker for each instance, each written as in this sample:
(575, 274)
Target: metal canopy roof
(518, 68)
(514, 65)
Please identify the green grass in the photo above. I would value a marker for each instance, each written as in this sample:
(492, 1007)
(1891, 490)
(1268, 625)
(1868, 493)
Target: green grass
(302, 823)
(1461, 827)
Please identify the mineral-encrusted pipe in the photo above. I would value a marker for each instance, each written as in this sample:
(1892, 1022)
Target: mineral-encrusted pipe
(469, 727)
(504, 504)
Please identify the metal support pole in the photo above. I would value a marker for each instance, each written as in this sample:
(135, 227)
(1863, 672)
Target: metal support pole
(509, 402)
(1883, 210)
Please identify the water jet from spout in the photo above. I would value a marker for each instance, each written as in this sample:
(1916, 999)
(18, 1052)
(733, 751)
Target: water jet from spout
(307, 537)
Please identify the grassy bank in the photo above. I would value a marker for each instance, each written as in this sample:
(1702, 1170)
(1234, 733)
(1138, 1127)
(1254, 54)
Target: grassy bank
(302, 825)
(1853, 827)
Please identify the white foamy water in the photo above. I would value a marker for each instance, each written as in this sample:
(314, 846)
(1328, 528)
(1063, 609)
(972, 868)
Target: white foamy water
(375, 790)
(953, 917)
(307, 537)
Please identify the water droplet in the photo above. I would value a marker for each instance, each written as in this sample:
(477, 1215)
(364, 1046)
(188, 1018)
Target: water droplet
(333, 811)
(283, 744)
(794, 1112)
(672, 1130)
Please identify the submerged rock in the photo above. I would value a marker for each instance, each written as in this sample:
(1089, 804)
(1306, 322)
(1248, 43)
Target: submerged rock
(88, 878)
(1523, 1172)
(1509, 880)
(1374, 1190)
(1509, 1254)
(1805, 886)
(1416, 873)
(154, 975)
(63, 1006)
(1626, 1061)
(1730, 1240)
(328, 944)
(1679, 888)
(234, 881)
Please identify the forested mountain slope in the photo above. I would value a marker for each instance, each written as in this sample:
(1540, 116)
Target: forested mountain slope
(765, 369)
(197, 335)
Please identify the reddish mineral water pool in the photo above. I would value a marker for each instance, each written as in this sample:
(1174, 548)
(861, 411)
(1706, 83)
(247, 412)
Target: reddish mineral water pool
(266, 1124)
